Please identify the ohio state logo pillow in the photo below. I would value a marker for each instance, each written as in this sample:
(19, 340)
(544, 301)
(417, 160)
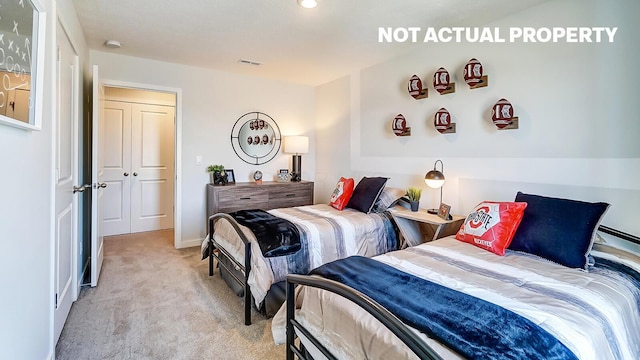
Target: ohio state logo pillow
(492, 225)
(342, 193)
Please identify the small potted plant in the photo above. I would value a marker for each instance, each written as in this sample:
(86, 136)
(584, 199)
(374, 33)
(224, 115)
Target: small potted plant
(217, 176)
(414, 194)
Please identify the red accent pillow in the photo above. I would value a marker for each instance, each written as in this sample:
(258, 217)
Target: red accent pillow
(492, 225)
(342, 193)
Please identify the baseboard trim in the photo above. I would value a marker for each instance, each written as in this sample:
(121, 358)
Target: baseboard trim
(189, 243)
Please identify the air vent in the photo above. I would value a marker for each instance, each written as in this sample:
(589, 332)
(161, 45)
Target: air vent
(249, 62)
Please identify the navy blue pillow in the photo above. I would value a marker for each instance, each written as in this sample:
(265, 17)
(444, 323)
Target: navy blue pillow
(559, 230)
(366, 193)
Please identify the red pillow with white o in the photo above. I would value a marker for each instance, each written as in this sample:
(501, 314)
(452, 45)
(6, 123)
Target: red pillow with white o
(342, 193)
(492, 225)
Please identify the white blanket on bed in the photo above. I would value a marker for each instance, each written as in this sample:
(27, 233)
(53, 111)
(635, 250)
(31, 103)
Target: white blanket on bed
(594, 314)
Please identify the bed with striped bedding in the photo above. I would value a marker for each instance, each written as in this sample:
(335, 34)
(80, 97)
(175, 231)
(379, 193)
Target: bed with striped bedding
(596, 314)
(326, 234)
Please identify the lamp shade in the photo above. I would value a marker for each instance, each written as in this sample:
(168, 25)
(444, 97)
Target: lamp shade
(434, 179)
(296, 144)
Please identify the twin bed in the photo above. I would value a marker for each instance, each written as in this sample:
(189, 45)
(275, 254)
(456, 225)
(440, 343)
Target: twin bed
(595, 315)
(548, 296)
(326, 234)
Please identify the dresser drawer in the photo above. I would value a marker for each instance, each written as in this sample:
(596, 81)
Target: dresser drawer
(290, 196)
(238, 199)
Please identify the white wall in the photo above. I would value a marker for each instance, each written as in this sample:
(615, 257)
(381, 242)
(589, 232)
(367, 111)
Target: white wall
(26, 224)
(333, 131)
(212, 102)
(576, 103)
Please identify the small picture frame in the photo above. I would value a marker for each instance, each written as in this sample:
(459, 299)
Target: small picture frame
(443, 211)
(283, 175)
(231, 177)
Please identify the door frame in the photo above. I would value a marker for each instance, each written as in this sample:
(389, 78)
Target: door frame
(177, 142)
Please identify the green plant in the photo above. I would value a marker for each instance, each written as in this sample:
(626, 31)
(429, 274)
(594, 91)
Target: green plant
(414, 193)
(215, 168)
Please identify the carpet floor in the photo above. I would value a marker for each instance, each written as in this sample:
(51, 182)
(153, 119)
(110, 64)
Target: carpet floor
(156, 302)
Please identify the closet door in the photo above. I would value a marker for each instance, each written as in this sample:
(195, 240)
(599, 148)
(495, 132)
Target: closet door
(152, 166)
(116, 147)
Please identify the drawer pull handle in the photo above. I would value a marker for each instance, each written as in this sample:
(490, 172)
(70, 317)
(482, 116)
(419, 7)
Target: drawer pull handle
(290, 195)
(245, 198)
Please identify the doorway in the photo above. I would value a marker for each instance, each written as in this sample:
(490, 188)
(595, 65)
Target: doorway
(138, 156)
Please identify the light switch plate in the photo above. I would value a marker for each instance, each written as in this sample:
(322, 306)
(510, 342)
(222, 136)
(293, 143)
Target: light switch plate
(198, 159)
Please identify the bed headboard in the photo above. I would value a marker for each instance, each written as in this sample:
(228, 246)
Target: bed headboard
(622, 214)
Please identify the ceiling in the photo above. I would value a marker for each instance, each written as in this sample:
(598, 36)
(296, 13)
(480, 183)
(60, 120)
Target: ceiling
(294, 44)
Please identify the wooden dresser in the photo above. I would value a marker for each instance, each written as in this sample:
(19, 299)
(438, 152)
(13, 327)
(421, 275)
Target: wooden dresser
(266, 196)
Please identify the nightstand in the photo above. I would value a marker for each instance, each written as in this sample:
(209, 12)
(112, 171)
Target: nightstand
(420, 226)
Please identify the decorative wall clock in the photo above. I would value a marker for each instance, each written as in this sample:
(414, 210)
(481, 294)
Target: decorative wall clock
(399, 126)
(415, 88)
(442, 82)
(473, 74)
(442, 122)
(244, 138)
(502, 115)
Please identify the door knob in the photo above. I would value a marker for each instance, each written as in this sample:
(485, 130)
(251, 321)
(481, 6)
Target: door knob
(135, 174)
(126, 174)
(81, 188)
(101, 185)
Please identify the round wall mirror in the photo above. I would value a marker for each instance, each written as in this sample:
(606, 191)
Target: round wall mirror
(255, 138)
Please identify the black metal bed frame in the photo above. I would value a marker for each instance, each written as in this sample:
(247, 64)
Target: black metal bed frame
(245, 268)
(397, 327)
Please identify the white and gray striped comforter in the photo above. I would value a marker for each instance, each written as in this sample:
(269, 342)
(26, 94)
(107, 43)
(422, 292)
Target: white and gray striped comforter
(326, 234)
(596, 314)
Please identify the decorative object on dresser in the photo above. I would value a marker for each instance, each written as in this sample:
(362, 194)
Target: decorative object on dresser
(415, 88)
(217, 175)
(231, 177)
(283, 175)
(442, 82)
(442, 122)
(399, 126)
(435, 179)
(257, 177)
(296, 145)
(256, 138)
(502, 115)
(414, 194)
(473, 75)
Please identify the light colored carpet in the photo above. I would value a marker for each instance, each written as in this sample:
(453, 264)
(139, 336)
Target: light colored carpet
(155, 302)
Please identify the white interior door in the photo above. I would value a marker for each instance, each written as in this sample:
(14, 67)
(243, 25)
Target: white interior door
(139, 168)
(115, 127)
(152, 161)
(97, 171)
(66, 175)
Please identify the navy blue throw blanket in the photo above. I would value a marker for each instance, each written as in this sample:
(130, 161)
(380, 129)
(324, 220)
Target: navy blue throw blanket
(472, 327)
(276, 236)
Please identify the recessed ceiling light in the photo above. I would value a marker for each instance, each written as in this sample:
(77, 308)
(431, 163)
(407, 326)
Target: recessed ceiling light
(112, 44)
(308, 4)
